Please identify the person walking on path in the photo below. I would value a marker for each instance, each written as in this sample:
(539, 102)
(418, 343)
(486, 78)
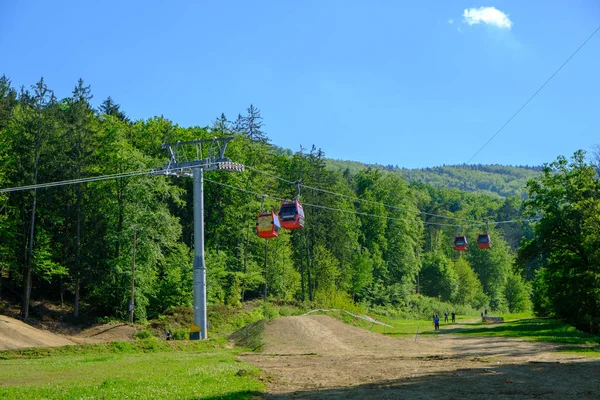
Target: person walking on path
(436, 323)
(453, 316)
(445, 316)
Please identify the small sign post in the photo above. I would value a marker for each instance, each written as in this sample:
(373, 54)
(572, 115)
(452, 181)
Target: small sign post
(194, 332)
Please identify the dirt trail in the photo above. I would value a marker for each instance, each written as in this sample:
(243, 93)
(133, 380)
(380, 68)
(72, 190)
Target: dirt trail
(319, 357)
(15, 334)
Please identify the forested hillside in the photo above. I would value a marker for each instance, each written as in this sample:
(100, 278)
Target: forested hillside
(370, 237)
(499, 180)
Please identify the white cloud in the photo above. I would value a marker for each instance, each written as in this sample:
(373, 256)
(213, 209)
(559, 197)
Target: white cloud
(450, 21)
(487, 15)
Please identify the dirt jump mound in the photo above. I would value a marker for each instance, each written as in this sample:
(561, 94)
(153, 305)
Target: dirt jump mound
(321, 334)
(105, 333)
(15, 334)
(319, 357)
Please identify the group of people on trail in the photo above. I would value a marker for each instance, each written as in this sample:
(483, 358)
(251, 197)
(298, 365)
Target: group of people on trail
(436, 319)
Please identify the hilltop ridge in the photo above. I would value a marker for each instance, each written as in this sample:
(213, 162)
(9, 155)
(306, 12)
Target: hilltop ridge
(495, 179)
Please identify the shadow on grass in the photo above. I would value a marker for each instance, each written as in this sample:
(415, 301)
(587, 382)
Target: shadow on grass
(577, 380)
(241, 395)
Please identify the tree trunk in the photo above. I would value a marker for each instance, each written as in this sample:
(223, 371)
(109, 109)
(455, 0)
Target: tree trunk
(245, 261)
(302, 277)
(310, 288)
(434, 240)
(121, 218)
(29, 261)
(78, 252)
(76, 307)
(132, 300)
(219, 220)
(119, 230)
(62, 292)
(265, 285)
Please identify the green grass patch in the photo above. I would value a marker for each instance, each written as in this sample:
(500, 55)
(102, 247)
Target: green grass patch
(250, 336)
(587, 351)
(409, 327)
(538, 329)
(516, 325)
(422, 307)
(144, 370)
(399, 326)
(515, 316)
(151, 345)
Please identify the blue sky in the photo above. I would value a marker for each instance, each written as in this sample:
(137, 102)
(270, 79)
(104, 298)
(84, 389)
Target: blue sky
(413, 84)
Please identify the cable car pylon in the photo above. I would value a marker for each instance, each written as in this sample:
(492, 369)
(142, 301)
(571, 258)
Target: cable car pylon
(207, 155)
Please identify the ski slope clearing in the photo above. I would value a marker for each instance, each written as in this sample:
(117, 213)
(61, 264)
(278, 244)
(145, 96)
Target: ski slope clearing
(310, 357)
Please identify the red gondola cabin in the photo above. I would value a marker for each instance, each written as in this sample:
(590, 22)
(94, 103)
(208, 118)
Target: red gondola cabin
(291, 215)
(460, 243)
(267, 225)
(484, 241)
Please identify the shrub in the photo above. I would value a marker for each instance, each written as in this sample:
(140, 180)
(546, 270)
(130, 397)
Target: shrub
(121, 347)
(151, 344)
(269, 311)
(423, 307)
(338, 299)
(143, 334)
(517, 293)
(180, 334)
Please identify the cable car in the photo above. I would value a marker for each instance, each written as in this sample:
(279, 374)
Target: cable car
(267, 225)
(484, 241)
(460, 243)
(291, 215)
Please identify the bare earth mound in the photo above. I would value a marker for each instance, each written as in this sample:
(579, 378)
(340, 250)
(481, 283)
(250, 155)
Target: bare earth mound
(105, 333)
(319, 357)
(15, 334)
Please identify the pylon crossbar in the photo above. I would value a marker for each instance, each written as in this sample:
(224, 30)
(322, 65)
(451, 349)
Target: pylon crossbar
(179, 164)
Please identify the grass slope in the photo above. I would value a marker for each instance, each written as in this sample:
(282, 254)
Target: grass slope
(142, 370)
(539, 329)
(518, 326)
(152, 368)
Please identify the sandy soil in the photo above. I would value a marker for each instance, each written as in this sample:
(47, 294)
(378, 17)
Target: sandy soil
(319, 357)
(105, 333)
(16, 334)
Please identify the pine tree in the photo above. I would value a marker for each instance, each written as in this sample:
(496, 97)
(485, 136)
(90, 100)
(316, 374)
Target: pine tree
(109, 107)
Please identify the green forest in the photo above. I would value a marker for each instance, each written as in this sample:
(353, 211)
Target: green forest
(499, 180)
(371, 238)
